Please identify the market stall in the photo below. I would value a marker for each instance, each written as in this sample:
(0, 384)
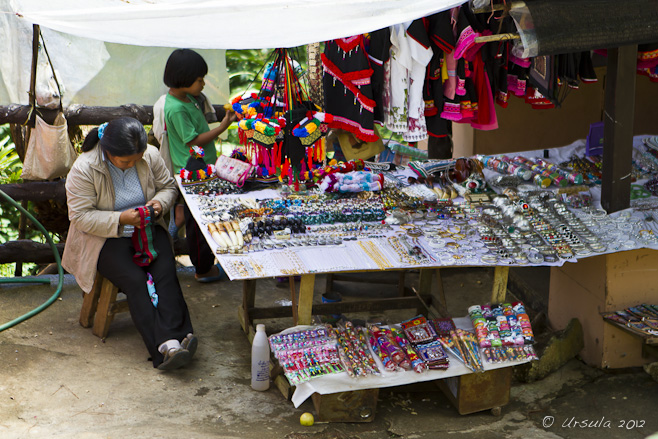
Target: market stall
(538, 208)
(414, 78)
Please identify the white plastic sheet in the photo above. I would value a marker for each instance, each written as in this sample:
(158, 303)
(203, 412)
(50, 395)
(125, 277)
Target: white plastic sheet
(221, 24)
(93, 72)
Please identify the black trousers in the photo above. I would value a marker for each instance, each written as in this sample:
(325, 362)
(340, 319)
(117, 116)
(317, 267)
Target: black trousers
(171, 319)
(201, 254)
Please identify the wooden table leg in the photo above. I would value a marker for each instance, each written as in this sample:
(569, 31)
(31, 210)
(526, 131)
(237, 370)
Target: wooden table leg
(293, 298)
(248, 301)
(329, 286)
(442, 305)
(401, 278)
(425, 289)
(499, 284)
(305, 306)
(425, 281)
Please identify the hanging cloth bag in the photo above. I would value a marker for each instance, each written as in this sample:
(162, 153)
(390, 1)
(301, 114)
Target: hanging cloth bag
(49, 152)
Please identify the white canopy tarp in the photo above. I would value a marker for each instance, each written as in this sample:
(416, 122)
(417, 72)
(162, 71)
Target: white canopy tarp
(110, 52)
(92, 72)
(223, 24)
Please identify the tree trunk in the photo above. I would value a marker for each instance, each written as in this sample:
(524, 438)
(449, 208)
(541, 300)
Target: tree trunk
(83, 115)
(26, 250)
(36, 191)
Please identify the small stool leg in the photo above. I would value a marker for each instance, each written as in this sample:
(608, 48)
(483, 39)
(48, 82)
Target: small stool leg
(90, 302)
(105, 313)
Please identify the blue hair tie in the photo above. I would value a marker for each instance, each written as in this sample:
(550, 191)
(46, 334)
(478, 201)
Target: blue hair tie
(101, 130)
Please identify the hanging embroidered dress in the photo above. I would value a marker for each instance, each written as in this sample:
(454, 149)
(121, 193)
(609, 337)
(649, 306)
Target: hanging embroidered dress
(405, 112)
(347, 87)
(436, 32)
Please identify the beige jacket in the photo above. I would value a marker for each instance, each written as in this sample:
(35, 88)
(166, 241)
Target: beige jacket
(90, 200)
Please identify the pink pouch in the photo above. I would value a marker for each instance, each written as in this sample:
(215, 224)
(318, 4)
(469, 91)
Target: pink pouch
(233, 170)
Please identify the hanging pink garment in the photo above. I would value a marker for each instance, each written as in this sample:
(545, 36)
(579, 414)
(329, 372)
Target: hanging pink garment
(485, 119)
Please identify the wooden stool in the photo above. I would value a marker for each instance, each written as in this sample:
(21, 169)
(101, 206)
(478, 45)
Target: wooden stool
(102, 300)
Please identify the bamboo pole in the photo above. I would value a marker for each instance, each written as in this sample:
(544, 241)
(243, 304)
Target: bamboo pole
(497, 37)
(22, 220)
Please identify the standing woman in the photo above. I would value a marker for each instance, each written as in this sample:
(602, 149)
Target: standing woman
(116, 191)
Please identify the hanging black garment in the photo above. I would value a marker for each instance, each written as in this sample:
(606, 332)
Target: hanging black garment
(379, 53)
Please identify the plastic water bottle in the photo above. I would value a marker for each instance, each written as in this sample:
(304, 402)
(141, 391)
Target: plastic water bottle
(260, 360)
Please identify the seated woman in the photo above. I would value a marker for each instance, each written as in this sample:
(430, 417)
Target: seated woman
(116, 192)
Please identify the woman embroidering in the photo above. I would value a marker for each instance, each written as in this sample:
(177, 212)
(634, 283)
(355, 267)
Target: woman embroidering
(117, 190)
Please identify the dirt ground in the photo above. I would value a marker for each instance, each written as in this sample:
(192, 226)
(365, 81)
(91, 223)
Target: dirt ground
(57, 380)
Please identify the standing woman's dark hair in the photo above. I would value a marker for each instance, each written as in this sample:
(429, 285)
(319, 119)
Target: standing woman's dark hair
(183, 67)
(120, 137)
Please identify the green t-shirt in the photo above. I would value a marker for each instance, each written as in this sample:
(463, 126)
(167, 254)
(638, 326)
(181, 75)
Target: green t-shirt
(185, 121)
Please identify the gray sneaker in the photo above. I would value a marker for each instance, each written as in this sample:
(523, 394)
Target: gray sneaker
(175, 358)
(190, 343)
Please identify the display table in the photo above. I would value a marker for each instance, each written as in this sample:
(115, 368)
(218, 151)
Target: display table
(352, 256)
(303, 308)
(357, 256)
(330, 393)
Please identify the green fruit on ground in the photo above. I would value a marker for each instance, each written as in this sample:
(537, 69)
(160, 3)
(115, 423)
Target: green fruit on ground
(306, 419)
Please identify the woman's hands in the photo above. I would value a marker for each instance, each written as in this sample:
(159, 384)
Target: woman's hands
(157, 208)
(130, 217)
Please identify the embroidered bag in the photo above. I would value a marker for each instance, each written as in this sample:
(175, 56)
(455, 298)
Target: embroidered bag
(233, 170)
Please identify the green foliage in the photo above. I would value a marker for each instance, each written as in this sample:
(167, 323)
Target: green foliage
(245, 70)
(6, 270)
(245, 67)
(10, 172)
(10, 163)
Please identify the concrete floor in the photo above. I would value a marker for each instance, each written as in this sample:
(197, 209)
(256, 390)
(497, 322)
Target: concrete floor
(57, 380)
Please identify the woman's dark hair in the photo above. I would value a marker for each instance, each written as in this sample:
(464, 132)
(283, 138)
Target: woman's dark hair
(184, 66)
(121, 137)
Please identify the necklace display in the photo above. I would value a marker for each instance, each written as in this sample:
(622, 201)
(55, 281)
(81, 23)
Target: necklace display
(213, 208)
(375, 253)
(505, 232)
(333, 259)
(327, 210)
(407, 225)
(213, 187)
(244, 267)
(407, 252)
(394, 198)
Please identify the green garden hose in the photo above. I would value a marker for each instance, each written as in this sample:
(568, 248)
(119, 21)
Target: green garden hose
(60, 271)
